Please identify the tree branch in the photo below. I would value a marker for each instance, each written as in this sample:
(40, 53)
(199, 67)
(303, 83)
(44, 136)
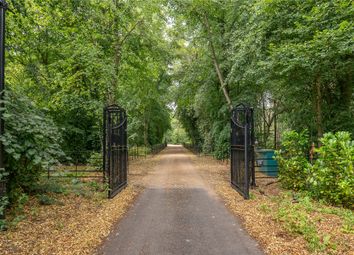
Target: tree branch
(216, 63)
(130, 32)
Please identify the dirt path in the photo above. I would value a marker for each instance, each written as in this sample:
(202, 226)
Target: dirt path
(178, 214)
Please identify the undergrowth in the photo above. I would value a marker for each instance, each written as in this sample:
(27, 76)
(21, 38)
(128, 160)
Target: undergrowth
(296, 213)
(49, 192)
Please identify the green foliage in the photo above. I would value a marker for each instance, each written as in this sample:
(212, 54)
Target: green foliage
(96, 160)
(177, 134)
(292, 160)
(332, 175)
(98, 187)
(51, 185)
(264, 208)
(18, 210)
(222, 144)
(31, 143)
(4, 202)
(20, 204)
(80, 189)
(103, 52)
(80, 122)
(290, 60)
(61, 72)
(296, 219)
(44, 199)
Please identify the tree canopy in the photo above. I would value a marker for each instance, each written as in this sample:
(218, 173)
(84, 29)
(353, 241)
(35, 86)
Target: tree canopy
(73, 57)
(291, 60)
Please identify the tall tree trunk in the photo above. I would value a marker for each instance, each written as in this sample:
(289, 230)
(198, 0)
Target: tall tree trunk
(216, 63)
(118, 46)
(117, 59)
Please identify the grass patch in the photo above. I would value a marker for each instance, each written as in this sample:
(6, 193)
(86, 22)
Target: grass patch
(252, 195)
(49, 186)
(295, 219)
(44, 199)
(345, 214)
(264, 208)
(300, 215)
(68, 186)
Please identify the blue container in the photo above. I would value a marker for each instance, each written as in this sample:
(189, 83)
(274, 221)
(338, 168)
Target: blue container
(265, 160)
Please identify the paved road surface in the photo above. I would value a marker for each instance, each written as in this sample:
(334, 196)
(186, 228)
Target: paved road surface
(178, 214)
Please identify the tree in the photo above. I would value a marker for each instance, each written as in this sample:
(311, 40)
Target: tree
(290, 60)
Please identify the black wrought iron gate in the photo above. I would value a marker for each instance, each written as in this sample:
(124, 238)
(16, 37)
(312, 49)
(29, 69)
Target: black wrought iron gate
(242, 149)
(115, 149)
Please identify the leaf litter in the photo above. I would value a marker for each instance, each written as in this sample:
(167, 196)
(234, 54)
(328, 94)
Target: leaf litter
(259, 214)
(78, 224)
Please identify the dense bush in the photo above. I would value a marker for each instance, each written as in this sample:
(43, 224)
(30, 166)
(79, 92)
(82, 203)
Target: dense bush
(292, 160)
(332, 175)
(31, 143)
(222, 143)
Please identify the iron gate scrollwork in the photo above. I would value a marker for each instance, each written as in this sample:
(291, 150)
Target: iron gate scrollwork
(242, 149)
(115, 149)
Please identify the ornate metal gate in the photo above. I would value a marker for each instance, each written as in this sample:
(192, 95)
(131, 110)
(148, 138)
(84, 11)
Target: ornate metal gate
(242, 149)
(115, 149)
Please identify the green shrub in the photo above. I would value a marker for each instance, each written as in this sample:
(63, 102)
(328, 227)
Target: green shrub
(330, 178)
(292, 160)
(222, 144)
(296, 218)
(96, 160)
(97, 186)
(332, 175)
(44, 199)
(31, 143)
(48, 186)
(3, 204)
(20, 204)
(4, 201)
